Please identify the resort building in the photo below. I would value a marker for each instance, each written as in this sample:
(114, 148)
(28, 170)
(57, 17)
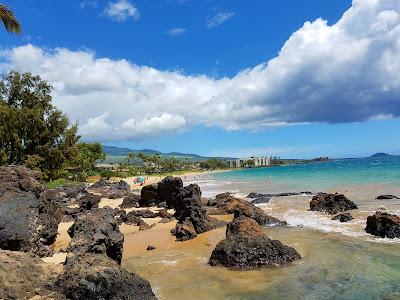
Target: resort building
(255, 162)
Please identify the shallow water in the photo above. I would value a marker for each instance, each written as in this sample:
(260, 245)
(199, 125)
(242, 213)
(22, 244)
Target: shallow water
(339, 260)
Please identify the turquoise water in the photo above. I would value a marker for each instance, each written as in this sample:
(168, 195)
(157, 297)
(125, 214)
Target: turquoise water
(322, 175)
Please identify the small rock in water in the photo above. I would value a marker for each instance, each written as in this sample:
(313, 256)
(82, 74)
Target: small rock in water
(387, 197)
(343, 218)
(331, 203)
(150, 248)
(383, 225)
(247, 247)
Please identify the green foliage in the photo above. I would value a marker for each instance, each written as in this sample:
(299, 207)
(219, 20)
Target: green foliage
(107, 174)
(250, 163)
(84, 162)
(32, 130)
(60, 182)
(213, 164)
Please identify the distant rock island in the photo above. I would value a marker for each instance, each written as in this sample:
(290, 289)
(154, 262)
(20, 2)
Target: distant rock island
(381, 154)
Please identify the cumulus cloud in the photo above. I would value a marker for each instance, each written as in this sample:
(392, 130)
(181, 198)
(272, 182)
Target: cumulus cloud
(121, 10)
(345, 72)
(176, 31)
(219, 19)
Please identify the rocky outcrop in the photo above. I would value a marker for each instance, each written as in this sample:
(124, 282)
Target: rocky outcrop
(149, 196)
(387, 197)
(247, 247)
(227, 204)
(130, 201)
(383, 225)
(28, 219)
(331, 203)
(168, 188)
(265, 198)
(96, 231)
(26, 276)
(94, 276)
(346, 217)
(191, 215)
(111, 190)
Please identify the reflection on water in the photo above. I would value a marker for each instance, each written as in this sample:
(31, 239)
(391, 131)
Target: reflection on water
(332, 267)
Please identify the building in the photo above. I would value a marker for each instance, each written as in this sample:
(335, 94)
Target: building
(257, 162)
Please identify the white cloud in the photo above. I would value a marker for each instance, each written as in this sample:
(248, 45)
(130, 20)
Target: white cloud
(219, 19)
(88, 3)
(121, 10)
(346, 72)
(176, 31)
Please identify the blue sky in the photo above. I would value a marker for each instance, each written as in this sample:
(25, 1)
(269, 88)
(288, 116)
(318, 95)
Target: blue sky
(192, 76)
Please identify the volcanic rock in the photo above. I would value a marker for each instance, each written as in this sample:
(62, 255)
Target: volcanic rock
(131, 200)
(346, 217)
(387, 197)
(111, 190)
(26, 276)
(168, 188)
(384, 225)
(331, 203)
(227, 204)
(94, 276)
(97, 232)
(149, 196)
(247, 247)
(28, 219)
(191, 215)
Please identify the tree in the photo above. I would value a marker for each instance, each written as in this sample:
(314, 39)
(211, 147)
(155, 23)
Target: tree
(9, 20)
(32, 131)
(86, 158)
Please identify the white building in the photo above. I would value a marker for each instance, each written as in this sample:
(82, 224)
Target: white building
(244, 162)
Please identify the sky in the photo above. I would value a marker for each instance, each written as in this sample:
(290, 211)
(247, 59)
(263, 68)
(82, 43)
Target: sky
(296, 79)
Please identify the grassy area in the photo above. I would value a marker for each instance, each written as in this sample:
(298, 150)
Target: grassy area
(61, 182)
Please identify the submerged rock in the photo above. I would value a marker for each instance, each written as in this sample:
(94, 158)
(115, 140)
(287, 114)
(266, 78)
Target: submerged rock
(346, 217)
(28, 218)
(191, 215)
(247, 247)
(331, 203)
(227, 204)
(259, 198)
(96, 232)
(387, 197)
(93, 276)
(383, 225)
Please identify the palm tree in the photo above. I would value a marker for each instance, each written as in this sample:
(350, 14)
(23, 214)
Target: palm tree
(10, 22)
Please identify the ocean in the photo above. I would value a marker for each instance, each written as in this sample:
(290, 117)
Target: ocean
(339, 260)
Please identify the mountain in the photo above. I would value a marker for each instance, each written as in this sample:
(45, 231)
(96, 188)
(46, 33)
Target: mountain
(117, 154)
(381, 154)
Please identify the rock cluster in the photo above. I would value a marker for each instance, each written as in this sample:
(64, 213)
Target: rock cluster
(258, 198)
(383, 225)
(247, 247)
(163, 192)
(331, 203)
(191, 215)
(111, 190)
(227, 204)
(28, 219)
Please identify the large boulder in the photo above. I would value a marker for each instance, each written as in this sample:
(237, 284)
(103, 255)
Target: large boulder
(168, 188)
(93, 276)
(26, 276)
(111, 190)
(28, 218)
(387, 197)
(191, 215)
(331, 203)
(247, 247)
(383, 225)
(97, 231)
(227, 204)
(149, 196)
